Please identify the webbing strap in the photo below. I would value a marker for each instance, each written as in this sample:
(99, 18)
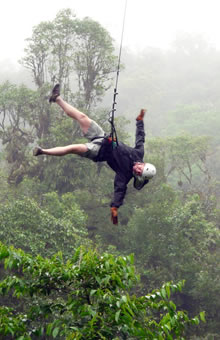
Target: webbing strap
(112, 112)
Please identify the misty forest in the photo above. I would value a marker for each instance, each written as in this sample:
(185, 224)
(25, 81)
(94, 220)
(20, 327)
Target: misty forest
(66, 272)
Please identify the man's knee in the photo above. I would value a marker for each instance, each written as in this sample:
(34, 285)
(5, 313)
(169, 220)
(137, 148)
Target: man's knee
(80, 149)
(85, 123)
(82, 116)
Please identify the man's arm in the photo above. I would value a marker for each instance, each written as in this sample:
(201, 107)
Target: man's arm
(120, 188)
(140, 133)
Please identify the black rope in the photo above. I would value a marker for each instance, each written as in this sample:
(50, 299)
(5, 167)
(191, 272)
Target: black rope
(112, 112)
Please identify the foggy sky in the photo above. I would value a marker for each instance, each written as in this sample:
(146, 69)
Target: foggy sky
(148, 23)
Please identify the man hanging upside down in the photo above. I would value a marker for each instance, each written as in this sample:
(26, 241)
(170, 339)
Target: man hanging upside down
(127, 162)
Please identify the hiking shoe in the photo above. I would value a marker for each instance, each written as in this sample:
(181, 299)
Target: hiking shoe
(37, 151)
(141, 114)
(55, 93)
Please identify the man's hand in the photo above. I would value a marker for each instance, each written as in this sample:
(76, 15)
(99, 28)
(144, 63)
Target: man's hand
(141, 114)
(114, 215)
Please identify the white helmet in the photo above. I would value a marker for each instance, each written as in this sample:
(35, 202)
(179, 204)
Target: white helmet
(149, 171)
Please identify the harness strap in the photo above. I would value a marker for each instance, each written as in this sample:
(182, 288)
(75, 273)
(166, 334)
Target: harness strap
(106, 137)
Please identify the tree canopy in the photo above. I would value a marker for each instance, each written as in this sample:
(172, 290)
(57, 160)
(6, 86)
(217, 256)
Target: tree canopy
(86, 298)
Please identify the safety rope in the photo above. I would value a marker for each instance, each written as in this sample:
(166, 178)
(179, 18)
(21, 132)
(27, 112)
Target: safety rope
(113, 135)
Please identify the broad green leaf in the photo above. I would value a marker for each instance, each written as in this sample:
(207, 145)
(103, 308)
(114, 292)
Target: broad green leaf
(168, 291)
(163, 293)
(117, 314)
(202, 316)
(124, 299)
(49, 329)
(92, 292)
(55, 332)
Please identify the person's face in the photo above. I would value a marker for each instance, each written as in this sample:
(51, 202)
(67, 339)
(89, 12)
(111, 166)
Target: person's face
(138, 168)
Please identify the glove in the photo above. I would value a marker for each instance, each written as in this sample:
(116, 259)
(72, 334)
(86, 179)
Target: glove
(141, 114)
(114, 215)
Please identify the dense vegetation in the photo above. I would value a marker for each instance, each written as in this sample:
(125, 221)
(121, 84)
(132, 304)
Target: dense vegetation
(60, 206)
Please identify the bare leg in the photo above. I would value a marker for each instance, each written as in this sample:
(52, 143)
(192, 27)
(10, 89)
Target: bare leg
(77, 149)
(83, 120)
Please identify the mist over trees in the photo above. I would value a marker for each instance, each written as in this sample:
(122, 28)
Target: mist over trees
(53, 205)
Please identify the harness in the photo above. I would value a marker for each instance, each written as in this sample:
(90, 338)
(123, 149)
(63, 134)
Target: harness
(107, 139)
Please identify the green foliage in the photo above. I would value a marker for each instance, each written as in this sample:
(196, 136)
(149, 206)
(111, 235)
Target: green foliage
(198, 120)
(183, 157)
(86, 298)
(50, 50)
(68, 47)
(23, 118)
(171, 241)
(16, 107)
(58, 51)
(93, 61)
(13, 326)
(58, 224)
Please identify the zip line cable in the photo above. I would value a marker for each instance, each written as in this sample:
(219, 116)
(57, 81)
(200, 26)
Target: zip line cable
(112, 112)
